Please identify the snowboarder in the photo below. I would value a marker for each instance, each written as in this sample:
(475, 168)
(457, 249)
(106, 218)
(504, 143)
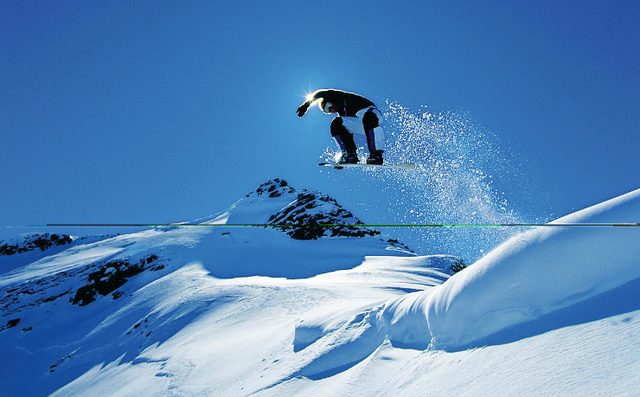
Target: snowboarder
(355, 114)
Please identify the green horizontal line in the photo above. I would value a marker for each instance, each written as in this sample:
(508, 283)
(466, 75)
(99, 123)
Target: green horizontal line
(335, 225)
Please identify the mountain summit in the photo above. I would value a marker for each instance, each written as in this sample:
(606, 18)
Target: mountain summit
(301, 214)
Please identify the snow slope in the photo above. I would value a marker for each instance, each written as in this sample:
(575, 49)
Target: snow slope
(219, 310)
(539, 272)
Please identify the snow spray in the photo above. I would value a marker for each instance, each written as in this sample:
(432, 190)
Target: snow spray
(459, 170)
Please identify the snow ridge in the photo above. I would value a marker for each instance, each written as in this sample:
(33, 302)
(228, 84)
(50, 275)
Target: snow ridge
(537, 273)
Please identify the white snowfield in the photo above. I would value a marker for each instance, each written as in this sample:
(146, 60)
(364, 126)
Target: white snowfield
(253, 312)
(538, 272)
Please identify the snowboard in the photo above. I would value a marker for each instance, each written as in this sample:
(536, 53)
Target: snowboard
(405, 166)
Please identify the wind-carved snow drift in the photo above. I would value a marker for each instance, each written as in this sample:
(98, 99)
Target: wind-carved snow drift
(538, 272)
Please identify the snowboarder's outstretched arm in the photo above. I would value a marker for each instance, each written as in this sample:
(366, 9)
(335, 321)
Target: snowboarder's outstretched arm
(302, 110)
(346, 103)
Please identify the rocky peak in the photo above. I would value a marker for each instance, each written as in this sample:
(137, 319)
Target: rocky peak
(313, 215)
(273, 188)
(309, 215)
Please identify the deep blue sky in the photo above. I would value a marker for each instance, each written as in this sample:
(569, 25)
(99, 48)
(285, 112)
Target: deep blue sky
(158, 111)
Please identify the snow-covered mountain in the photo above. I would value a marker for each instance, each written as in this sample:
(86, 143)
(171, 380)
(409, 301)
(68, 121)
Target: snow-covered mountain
(297, 309)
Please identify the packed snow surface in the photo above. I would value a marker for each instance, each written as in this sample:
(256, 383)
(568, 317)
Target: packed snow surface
(215, 310)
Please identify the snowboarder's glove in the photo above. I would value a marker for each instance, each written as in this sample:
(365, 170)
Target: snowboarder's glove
(303, 109)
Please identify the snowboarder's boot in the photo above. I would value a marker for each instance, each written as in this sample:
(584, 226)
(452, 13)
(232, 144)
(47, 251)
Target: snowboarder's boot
(349, 157)
(375, 157)
(345, 141)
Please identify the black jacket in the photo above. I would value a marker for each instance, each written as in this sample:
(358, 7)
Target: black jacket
(347, 102)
